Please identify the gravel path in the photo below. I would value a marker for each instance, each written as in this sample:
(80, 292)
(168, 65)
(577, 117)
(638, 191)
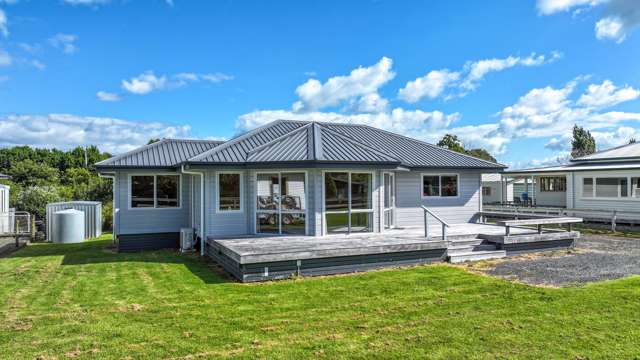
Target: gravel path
(595, 258)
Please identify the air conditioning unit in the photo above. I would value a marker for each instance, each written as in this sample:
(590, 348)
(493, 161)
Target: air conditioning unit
(186, 239)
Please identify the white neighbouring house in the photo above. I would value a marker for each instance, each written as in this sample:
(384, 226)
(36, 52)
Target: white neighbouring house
(606, 180)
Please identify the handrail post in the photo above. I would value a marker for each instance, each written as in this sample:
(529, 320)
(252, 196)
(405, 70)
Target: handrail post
(444, 232)
(426, 225)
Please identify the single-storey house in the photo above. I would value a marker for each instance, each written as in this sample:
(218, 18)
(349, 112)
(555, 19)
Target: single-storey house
(497, 189)
(606, 180)
(289, 178)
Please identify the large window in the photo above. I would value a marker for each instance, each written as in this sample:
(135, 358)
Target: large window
(553, 184)
(348, 202)
(155, 191)
(608, 187)
(229, 192)
(440, 185)
(281, 203)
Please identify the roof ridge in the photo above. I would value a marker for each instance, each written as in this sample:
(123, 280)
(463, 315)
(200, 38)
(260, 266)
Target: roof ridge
(138, 149)
(234, 140)
(421, 142)
(367, 147)
(276, 140)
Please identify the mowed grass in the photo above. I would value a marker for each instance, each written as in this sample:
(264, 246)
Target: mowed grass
(84, 301)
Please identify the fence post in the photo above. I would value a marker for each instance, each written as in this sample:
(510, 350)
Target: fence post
(613, 220)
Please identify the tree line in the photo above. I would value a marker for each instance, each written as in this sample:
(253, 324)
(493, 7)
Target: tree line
(42, 176)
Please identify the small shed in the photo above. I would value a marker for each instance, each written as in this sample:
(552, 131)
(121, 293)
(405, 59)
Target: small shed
(92, 216)
(4, 198)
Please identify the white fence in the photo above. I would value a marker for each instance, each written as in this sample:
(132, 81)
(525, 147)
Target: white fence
(15, 223)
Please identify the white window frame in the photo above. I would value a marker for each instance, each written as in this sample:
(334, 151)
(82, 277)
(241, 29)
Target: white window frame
(155, 192)
(349, 211)
(629, 196)
(549, 177)
(217, 192)
(439, 196)
(279, 211)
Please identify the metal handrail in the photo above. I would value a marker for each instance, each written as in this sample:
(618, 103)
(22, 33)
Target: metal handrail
(445, 225)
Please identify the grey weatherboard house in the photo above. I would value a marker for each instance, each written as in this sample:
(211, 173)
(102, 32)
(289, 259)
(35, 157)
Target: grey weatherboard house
(289, 178)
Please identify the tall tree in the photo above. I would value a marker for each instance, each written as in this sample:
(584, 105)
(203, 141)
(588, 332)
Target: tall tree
(583, 142)
(452, 143)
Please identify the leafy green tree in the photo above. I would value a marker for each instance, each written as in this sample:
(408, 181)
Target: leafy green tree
(34, 199)
(481, 154)
(152, 140)
(29, 173)
(452, 143)
(632, 140)
(583, 142)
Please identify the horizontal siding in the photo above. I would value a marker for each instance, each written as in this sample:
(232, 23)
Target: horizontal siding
(225, 223)
(141, 221)
(460, 209)
(604, 204)
(548, 198)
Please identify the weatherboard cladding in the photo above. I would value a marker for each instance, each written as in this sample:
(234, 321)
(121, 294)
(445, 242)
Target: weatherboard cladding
(164, 153)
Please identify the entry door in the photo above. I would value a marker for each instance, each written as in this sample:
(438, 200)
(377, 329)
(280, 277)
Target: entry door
(389, 200)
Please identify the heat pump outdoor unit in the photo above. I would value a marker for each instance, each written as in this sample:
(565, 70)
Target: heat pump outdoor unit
(186, 239)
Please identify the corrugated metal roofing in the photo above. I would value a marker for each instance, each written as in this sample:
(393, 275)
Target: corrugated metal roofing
(315, 142)
(616, 165)
(620, 152)
(279, 141)
(164, 153)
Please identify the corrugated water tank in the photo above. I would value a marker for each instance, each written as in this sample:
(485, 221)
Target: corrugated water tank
(92, 216)
(67, 226)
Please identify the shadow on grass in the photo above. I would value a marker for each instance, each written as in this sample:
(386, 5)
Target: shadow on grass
(101, 251)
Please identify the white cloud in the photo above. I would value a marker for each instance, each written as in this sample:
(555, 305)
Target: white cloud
(4, 78)
(431, 85)
(619, 17)
(4, 29)
(548, 7)
(371, 103)
(315, 95)
(64, 42)
(435, 82)
(607, 94)
(5, 58)
(616, 137)
(148, 81)
(37, 64)
(107, 96)
(66, 131)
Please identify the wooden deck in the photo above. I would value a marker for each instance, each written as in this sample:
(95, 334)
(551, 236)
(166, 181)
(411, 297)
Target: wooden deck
(256, 257)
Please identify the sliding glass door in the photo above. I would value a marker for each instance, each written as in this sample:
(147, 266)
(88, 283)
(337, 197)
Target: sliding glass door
(281, 203)
(348, 202)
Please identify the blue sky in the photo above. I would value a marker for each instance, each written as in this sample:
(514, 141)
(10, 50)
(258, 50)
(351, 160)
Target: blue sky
(509, 76)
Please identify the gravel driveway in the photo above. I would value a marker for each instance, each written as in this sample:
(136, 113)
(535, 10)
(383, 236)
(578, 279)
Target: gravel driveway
(595, 258)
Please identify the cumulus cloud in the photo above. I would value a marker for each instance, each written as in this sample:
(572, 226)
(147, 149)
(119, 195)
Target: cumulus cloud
(371, 103)
(148, 81)
(4, 29)
(315, 95)
(66, 131)
(91, 3)
(107, 96)
(619, 18)
(435, 83)
(431, 85)
(64, 42)
(607, 94)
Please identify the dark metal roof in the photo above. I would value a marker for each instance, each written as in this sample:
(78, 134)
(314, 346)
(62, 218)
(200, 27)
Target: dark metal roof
(294, 141)
(166, 153)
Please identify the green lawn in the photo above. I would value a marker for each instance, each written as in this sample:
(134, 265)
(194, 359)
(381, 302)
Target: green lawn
(83, 301)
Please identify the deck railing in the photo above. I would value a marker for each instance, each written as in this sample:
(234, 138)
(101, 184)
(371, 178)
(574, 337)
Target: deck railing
(444, 224)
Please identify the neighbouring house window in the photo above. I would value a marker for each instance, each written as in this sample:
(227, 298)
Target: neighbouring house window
(229, 192)
(155, 191)
(440, 185)
(635, 187)
(553, 184)
(486, 191)
(348, 202)
(607, 187)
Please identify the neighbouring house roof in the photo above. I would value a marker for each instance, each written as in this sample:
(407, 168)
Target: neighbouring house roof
(294, 141)
(620, 153)
(166, 153)
(289, 141)
(4, 177)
